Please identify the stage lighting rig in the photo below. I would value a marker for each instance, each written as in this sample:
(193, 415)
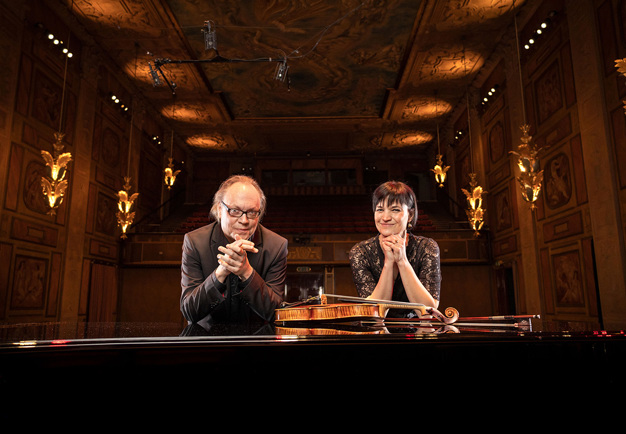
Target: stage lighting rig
(210, 43)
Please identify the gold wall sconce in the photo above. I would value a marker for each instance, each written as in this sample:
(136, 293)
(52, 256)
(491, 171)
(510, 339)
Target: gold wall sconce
(125, 205)
(531, 176)
(54, 184)
(475, 212)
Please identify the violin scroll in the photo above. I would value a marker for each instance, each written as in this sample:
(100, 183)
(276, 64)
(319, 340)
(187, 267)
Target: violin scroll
(449, 316)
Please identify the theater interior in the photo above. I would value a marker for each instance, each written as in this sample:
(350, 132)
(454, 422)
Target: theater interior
(320, 101)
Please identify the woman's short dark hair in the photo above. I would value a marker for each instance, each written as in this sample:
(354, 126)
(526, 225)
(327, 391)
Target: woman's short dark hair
(392, 192)
(234, 179)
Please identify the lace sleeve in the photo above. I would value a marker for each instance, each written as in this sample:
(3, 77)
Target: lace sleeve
(364, 281)
(430, 267)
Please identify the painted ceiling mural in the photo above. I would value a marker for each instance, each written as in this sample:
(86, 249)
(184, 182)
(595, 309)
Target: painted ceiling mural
(360, 75)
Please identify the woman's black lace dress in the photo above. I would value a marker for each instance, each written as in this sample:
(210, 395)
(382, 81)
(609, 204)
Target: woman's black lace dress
(367, 259)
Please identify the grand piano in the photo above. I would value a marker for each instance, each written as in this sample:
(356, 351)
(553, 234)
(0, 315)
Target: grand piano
(509, 360)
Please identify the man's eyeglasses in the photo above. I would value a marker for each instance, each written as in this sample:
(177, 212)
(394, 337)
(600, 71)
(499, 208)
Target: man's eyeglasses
(234, 212)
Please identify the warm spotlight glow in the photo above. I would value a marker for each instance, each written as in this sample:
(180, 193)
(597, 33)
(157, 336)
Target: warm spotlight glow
(215, 141)
(425, 108)
(410, 138)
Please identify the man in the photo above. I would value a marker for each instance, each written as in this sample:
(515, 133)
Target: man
(233, 270)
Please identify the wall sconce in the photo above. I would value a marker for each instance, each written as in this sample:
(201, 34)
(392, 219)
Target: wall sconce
(170, 174)
(125, 205)
(531, 177)
(125, 214)
(475, 213)
(55, 184)
(440, 171)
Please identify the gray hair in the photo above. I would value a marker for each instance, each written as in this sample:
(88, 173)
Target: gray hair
(234, 179)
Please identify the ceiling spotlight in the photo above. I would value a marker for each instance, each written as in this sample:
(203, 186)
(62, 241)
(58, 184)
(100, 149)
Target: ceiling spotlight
(281, 71)
(210, 38)
(154, 75)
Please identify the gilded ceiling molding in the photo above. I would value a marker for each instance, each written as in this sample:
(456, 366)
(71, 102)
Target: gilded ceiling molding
(209, 141)
(462, 13)
(410, 138)
(425, 107)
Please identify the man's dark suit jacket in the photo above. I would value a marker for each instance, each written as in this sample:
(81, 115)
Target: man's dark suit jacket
(205, 298)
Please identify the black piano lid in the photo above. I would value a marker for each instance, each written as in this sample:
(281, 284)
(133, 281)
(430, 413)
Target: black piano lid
(153, 364)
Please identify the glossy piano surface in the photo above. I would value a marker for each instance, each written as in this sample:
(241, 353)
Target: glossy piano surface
(145, 360)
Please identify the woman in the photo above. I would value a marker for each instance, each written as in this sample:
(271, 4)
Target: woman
(395, 264)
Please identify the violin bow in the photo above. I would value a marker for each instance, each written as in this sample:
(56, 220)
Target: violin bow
(450, 315)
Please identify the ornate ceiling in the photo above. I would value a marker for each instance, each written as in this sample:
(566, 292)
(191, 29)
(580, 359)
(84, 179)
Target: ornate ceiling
(362, 76)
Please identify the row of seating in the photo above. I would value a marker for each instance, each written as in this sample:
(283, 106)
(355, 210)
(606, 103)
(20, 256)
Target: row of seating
(328, 214)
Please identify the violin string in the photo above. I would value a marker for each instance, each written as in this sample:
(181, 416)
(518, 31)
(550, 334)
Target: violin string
(301, 302)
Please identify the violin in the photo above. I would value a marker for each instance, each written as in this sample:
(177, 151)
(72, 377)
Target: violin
(362, 309)
(328, 312)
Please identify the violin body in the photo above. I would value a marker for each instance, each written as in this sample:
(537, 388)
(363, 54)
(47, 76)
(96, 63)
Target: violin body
(358, 312)
(329, 313)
